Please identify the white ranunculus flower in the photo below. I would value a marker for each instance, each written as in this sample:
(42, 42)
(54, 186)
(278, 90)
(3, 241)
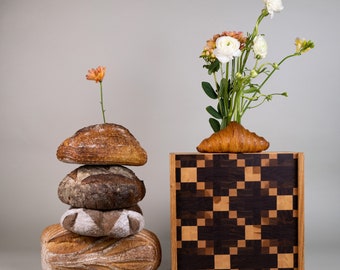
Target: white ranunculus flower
(273, 6)
(227, 48)
(260, 47)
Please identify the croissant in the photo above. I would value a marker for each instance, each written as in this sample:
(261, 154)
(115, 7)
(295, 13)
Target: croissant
(234, 139)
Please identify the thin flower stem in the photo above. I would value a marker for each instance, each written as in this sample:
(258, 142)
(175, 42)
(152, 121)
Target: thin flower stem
(221, 69)
(215, 79)
(250, 40)
(256, 63)
(258, 105)
(101, 101)
(233, 67)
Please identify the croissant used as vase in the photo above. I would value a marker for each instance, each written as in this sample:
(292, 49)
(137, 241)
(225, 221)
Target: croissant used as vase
(233, 139)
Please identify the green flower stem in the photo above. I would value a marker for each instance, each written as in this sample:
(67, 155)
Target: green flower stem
(264, 13)
(250, 40)
(215, 79)
(264, 99)
(233, 67)
(255, 65)
(244, 58)
(101, 101)
(232, 108)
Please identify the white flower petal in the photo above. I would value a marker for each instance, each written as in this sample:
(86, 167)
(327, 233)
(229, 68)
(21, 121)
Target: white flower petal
(273, 6)
(260, 47)
(227, 48)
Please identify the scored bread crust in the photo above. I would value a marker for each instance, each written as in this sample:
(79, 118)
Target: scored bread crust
(101, 187)
(102, 144)
(64, 250)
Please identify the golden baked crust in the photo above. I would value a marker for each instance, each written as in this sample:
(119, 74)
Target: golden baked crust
(64, 250)
(233, 139)
(102, 144)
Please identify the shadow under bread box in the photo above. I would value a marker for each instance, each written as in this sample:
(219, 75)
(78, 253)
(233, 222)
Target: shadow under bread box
(237, 211)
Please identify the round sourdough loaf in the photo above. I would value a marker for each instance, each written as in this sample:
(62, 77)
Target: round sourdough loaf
(101, 188)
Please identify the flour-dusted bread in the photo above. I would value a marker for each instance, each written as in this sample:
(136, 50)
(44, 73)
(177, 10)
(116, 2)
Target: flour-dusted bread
(101, 187)
(115, 223)
(102, 144)
(64, 250)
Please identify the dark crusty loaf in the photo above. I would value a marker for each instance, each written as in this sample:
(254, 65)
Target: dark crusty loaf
(101, 187)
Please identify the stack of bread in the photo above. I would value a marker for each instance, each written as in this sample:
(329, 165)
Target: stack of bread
(104, 226)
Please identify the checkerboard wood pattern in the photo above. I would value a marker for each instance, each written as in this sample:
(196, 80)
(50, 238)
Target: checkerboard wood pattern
(237, 211)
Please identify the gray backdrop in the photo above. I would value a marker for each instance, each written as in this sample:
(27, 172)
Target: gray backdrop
(152, 87)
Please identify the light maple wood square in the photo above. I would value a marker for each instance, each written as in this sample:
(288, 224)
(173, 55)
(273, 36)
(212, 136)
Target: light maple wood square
(189, 233)
(188, 175)
(284, 202)
(222, 261)
(285, 260)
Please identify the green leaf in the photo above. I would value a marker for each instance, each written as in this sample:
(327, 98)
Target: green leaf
(213, 67)
(209, 90)
(213, 112)
(215, 125)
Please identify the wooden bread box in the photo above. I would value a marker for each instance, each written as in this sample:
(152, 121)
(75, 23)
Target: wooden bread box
(237, 210)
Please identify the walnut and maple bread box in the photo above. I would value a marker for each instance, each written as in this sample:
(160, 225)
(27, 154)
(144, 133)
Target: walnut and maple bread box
(64, 250)
(102, 144)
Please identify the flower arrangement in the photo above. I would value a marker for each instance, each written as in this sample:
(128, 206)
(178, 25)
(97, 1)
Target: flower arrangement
(97, 75)
(237, 87)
